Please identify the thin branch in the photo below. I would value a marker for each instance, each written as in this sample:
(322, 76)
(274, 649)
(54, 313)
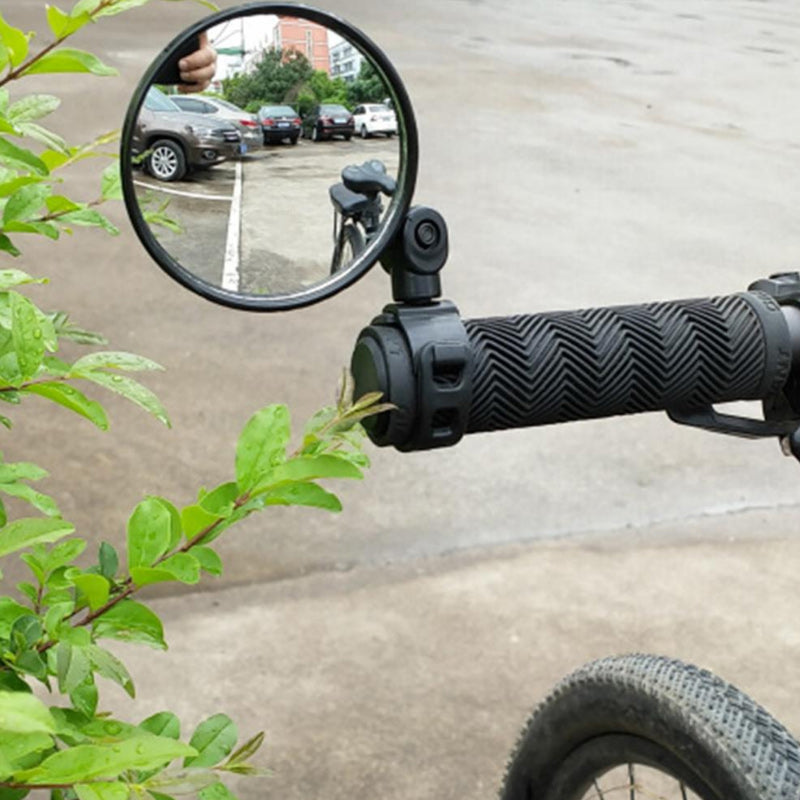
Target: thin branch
(25, 65)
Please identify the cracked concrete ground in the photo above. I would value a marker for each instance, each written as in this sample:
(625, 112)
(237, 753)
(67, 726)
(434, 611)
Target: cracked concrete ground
(582, 155)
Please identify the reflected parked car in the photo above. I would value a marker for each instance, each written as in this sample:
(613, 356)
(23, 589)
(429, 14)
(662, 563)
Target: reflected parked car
(174, 141)
(246, 122)
(279, 123)
(372, 118)
(328, 120)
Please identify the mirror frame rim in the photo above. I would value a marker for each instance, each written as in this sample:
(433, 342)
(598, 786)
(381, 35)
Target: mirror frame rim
(397, 209)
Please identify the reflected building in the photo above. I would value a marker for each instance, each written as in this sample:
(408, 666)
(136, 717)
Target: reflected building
(345, 61)
(303, 36)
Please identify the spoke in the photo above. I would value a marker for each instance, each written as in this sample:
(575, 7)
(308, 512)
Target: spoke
(599, 791)
(683, 791)
(633, 782)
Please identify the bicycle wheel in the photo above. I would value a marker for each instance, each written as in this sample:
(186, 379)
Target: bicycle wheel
(642, 726)
(349, 246)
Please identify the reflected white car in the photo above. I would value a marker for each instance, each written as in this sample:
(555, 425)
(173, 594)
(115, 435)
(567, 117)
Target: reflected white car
(372, 118)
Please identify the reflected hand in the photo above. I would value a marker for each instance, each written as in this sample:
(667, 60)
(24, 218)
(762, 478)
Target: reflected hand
(199, 68)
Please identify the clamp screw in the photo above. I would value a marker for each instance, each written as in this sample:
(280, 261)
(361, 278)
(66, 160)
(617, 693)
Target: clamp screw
(426, 234)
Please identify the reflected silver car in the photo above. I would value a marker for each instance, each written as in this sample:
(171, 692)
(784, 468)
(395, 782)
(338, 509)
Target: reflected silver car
(247, 124)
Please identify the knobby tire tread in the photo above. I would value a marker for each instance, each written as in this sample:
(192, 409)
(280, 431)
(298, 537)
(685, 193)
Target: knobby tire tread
(715, 731)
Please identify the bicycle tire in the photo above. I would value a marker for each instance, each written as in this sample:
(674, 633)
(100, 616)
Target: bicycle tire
(670, 718)
(349, 245)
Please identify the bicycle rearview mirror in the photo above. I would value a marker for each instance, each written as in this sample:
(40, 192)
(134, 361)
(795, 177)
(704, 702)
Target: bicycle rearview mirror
(269, 156)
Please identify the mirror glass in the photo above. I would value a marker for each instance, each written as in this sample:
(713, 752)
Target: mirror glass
(265, 154)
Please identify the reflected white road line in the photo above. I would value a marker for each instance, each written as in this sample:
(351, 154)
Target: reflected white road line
(197, 195)
(230, 270)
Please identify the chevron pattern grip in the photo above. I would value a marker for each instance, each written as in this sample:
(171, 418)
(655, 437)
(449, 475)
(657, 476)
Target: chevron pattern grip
(544, 368)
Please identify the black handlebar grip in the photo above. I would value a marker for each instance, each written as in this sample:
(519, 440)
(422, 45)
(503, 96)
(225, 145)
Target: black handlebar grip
(556, 367)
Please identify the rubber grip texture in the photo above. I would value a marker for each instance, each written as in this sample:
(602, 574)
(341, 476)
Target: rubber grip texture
(555, 367)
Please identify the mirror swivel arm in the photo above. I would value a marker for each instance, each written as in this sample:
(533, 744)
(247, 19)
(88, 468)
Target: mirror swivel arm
(416, 256)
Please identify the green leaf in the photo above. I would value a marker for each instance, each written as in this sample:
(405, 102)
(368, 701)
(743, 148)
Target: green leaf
(16, 277)
(25, 632)
(217, 791)
(130, 621)
(58, 203)
(221, 501)
(62, 25)
(44, 136)
(214, 738)
(69, 397)
(95, 587)
(84, 697)
(102, 790)
(113, 360)
(66, 329)
(11, 682)
(262, 444)
(22, 713)
(25, 203)
(133, 391)
(55, 616)
(42, 502)
(89, 217)
(21, 470)
(29, 591)
(109, 666)
(164, 723)
(305, 468)
(15, 42)
(195, 519)
(33, 226)
(111, 186)
(32, 663)
(149, 532)
(10, 612)
(63, 553)
(84, 7)
(179, 567)
(109, 560)
(119, 7)
(27, 334)
(26, 532)
(72, 666)
(20, 748)
(32, 107)
(302, 494)
(6, 246)
(20, 158)
(67, 59)
(86, 762)
(248, 749)
(208, 559)
(9, 187)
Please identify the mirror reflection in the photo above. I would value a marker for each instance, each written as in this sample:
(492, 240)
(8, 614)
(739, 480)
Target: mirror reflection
(266, 157)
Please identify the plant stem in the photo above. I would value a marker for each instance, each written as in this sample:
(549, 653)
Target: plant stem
(128, 587)
(15, 73)
(38, 785)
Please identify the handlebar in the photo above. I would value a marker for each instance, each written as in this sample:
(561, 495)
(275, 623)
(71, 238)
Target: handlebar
(448, 377)
(556, 367)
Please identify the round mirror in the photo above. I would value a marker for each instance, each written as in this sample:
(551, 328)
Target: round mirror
(269, 156)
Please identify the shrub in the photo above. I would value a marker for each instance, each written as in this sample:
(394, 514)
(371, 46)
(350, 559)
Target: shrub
(53, 628)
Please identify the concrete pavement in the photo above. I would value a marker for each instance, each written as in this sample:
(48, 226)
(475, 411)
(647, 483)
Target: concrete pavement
(412, 681)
